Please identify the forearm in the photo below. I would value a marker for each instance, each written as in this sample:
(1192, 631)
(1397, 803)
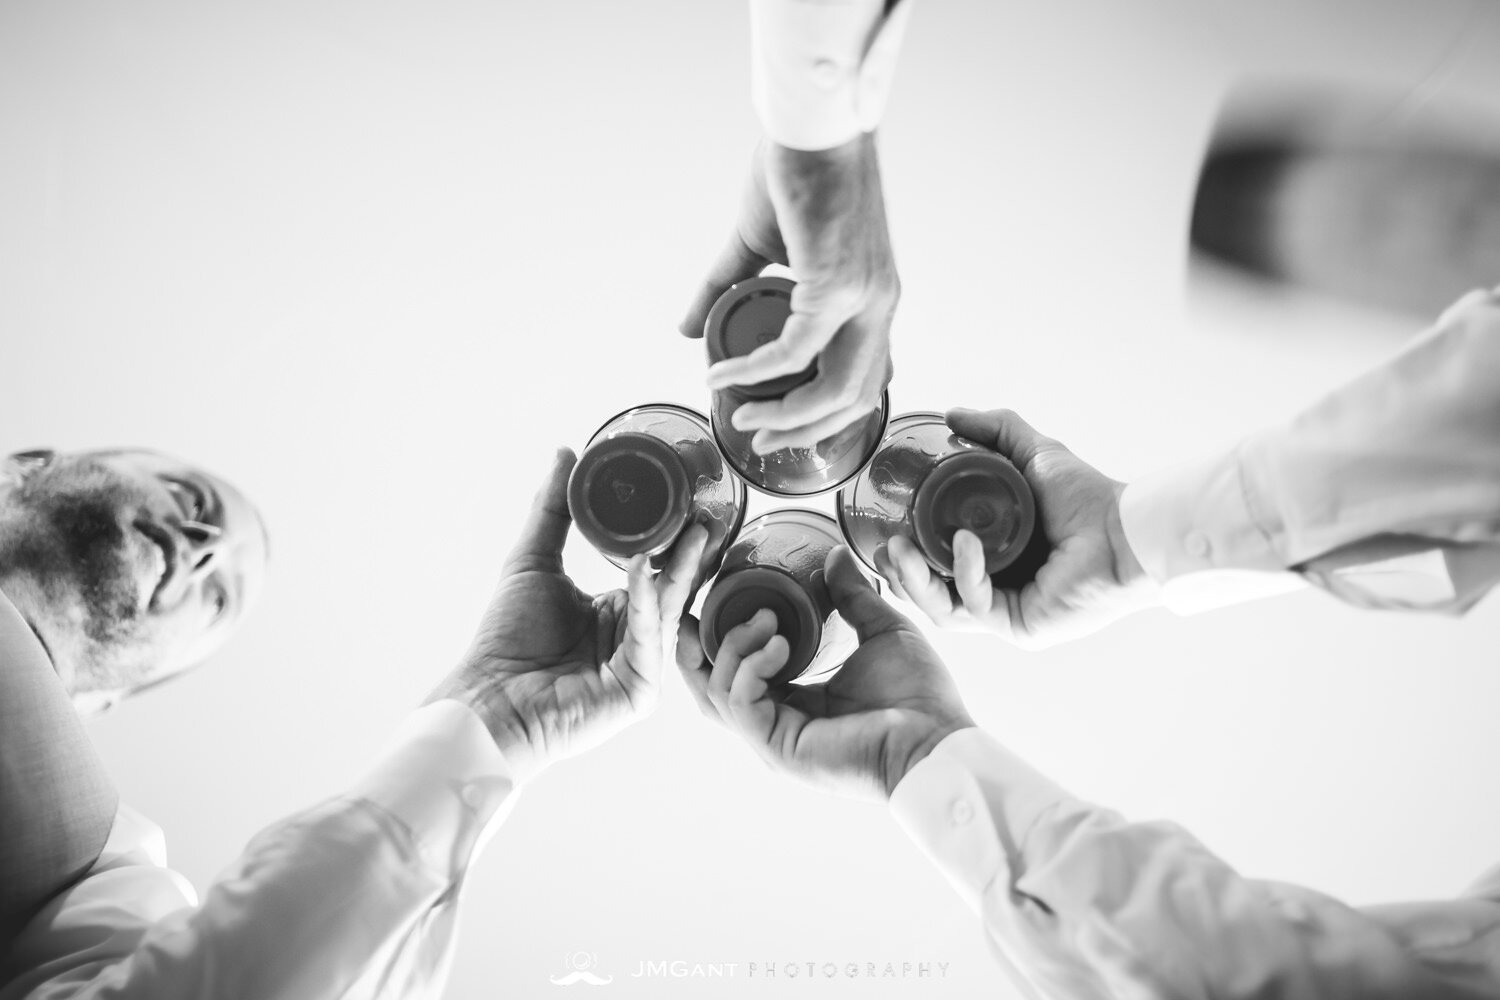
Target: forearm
(56, 799)
(821, 70)
(1083, 903)
(1403, 461)
(352, 889)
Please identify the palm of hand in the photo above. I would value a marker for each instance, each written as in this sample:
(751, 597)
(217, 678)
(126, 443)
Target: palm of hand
(553, 657)
(870, 719)
(1076, 588)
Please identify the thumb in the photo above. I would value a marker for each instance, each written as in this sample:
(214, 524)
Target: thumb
(546, 528)
(855, 598)
(735, 263)
(1003, 430)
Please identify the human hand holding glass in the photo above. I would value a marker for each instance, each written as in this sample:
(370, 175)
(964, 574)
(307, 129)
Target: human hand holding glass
(1091, 576)
(553, 671)
(860, 731)
(822, 213)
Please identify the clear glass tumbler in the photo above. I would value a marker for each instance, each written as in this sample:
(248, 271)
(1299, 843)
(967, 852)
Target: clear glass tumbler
(777, 563)
(925, 483)
(648, 474)
(746, 316)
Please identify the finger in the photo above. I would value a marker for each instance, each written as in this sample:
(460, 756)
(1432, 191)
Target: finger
(693, 667)
(887, 569)
(767, 442)
(546, 529)
(809, 699)
(1002, 430)
(736, 262)
(856, 600)
(924, 588)
(643, 638)
(750, 706)
(823, 396)
(741, 641)
(973, 583)
(674, 587)
(802, 339)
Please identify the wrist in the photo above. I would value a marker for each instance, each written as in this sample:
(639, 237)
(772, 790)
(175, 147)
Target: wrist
(923, 743)
(811, 160)
(1128, 571)
(796, 173)
(498, 715)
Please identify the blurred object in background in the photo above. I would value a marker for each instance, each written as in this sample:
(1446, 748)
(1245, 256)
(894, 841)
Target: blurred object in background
(1377, 203)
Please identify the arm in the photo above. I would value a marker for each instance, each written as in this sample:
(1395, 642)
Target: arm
(821, 71)
(358, 896)
(1386, 494)
(1078, 902)
(56, 799)
(1353, 492)
(356, 888)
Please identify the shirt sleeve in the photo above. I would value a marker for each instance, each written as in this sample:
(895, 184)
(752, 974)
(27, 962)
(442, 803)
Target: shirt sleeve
(56, 798)
(821, 70)
(1385, 493)
(355, 897)
(1080, 903)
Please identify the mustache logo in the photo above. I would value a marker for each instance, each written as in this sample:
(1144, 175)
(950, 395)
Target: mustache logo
(574, 978)
(579, 963)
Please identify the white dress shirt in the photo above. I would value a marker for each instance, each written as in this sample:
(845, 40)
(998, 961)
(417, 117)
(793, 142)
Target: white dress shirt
(353, 898)
(1080, 903)
(821, 70)
(1385, 493)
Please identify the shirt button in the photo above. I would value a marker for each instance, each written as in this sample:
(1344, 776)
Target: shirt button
(962, 812)
(1197, 545)
(825, 73)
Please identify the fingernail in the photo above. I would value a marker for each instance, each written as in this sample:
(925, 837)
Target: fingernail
(744, 419)
(760, 445)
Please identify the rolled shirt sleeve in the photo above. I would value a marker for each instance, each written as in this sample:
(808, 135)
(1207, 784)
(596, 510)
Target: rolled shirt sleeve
(821, 70)
(1386, 493)
(1080, 903)
(355, 897)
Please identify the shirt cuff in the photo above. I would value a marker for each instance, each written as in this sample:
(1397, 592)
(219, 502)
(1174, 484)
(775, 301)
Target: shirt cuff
(442, 775)
(969, 806)
(821, 70)
(1199, 533)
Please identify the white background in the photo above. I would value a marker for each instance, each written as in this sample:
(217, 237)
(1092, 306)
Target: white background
(373, 261)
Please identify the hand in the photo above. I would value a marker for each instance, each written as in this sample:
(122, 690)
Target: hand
(553, 671)
(1090, 578)
(823, 214)
(858, 732)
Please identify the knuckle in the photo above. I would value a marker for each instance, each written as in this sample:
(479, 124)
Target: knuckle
(831, 293)
(799, 353)
(885, 295)
(846, 395)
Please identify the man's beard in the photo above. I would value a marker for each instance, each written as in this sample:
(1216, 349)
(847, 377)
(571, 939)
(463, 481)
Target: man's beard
(74, 549)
